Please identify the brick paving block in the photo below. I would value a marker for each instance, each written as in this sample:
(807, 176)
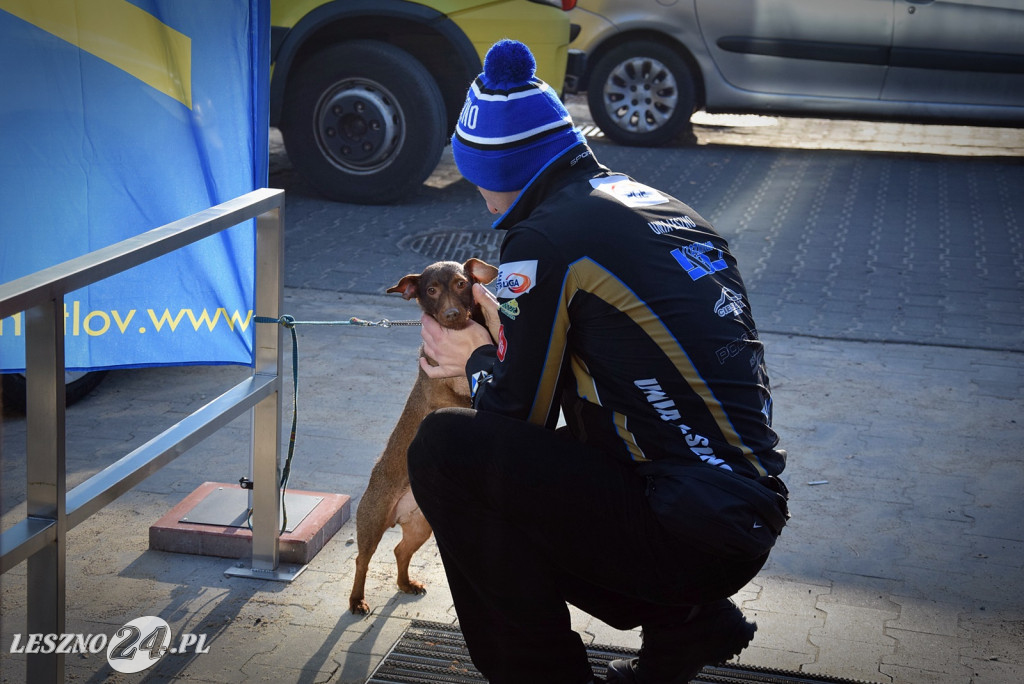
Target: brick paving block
(858, 560)
(857, 660)
(304, 648)
(868, 592)
(298, 546)
(926, 651)
(994, 671)
(921, 615)
(594, 631)
(853, 623)
(774, 658)
(989, 523)
(435, 605)
(787, 597)
(1007, 553)
(324, 672)
(355, 668)
(994, 633)
(938, 552)
(783, 632)
(900, 674)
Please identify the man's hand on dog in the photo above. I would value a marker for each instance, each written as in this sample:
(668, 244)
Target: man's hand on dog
(451, 349)
(489, 306)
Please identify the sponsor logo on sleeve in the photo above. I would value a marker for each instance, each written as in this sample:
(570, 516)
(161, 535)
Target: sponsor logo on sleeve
(502, 343)
(479, 379)
(510, 308)
(628, 192)
(516, 278)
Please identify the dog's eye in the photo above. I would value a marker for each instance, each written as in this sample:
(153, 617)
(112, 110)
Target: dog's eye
(432, 291)
(461, 284)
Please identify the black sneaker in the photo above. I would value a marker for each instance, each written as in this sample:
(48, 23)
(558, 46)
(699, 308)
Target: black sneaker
(675, 655)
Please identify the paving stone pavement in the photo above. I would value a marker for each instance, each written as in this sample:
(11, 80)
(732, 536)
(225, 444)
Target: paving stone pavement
(922, 245)
(888, 286)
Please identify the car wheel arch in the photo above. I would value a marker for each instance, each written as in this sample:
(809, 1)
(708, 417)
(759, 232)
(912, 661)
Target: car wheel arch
(665, 41)
(364, 122)
(440, 45)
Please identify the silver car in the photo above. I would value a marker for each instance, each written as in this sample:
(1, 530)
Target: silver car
(647, 65)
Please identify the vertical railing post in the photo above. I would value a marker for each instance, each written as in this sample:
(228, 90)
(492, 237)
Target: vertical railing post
(46, 487)
(266, 416)
(265, 453)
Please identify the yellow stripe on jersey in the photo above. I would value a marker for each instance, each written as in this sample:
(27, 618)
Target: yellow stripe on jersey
(588, 276)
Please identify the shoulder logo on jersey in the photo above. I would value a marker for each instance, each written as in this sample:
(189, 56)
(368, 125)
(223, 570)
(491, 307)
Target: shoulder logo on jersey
(628, 192)
(700, 259)
(515, 278)
(672, 223)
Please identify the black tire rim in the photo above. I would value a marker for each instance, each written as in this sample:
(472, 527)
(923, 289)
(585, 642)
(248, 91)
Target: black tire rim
(640, 95)
(359, 126)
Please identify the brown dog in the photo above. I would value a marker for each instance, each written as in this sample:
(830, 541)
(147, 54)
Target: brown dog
(445, 291)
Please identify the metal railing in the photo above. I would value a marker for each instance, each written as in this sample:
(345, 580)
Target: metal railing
(52, 511)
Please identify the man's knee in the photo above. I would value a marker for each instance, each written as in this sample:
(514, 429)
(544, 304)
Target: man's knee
(436, 442)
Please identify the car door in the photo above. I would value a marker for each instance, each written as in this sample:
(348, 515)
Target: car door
(831, 48)
(958, 51)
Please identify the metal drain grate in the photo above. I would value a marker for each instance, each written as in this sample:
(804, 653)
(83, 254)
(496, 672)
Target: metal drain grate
(436, 652)
(456, 245)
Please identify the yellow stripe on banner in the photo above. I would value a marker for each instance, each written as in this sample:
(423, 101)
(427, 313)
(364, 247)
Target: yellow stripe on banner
(120, 33)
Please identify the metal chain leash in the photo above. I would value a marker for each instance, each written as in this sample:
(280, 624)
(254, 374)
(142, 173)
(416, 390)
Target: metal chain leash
(289, 322)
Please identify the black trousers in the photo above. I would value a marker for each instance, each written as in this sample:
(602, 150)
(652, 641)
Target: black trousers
(528, 519)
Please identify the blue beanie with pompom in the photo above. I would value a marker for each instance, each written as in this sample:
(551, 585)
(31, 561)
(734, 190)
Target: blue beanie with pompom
(512, 124)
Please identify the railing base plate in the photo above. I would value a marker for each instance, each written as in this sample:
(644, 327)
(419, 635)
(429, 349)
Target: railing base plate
(283, 573)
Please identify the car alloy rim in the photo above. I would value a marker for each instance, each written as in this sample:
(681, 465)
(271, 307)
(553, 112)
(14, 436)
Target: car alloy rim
(640, 95)
(358, 126)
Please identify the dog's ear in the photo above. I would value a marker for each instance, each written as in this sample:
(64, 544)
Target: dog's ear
(480, 271)
(407, 286)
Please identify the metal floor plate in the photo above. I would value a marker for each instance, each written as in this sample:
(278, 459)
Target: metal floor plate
(229, 507)
(436, 652)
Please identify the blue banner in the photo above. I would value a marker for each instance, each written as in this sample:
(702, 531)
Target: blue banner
(117, 117)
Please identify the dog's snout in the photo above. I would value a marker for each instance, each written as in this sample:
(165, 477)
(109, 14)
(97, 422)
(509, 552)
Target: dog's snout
(451, 314)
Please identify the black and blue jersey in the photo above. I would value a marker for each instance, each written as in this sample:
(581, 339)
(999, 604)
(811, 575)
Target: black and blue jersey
(622, 306)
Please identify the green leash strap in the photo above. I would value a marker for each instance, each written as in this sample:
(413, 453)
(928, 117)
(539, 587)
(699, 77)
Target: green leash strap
(289, 322)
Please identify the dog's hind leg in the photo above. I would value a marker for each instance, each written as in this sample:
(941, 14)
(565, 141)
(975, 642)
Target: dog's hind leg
(415, 531)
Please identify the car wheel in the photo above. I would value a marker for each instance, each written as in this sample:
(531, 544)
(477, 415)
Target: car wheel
(641, 93)
(364, 122)
(77, 385)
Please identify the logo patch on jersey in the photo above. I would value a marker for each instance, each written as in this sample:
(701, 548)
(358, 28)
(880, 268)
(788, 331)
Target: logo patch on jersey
(699, 260)
(667, 411)
(502, 343)
(515, 278)
(729, 303)
(510, 309)
(627, 191)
